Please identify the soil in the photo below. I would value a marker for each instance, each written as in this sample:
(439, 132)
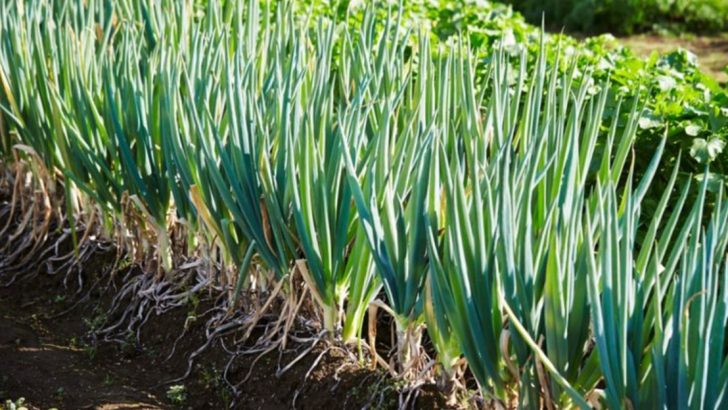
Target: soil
(48, 357)
(712, 51)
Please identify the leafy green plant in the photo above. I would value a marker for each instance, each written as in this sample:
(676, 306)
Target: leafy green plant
(177, 394)
(627, 16)
(18, 404)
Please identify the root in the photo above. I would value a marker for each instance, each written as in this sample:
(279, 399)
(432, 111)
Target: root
(305, 353)
(143, 294)
(310, 370)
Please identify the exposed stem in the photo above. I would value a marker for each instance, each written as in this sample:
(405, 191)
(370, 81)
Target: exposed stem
(164, 250)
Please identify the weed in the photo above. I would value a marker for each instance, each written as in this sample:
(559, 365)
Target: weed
(95, 322)
(177, 394)
(15, 405)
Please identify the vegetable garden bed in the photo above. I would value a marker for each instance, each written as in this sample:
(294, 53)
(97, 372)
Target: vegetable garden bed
(446, 195)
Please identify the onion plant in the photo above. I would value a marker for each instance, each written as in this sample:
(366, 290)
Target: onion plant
(323, 211)
(391, 171)
(510, 201)
(648, 316)
(252, 180)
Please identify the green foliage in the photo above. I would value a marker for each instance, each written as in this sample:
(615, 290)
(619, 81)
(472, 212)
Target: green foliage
(177, 394)
(627, 16)
(679, 96)
(504, 188)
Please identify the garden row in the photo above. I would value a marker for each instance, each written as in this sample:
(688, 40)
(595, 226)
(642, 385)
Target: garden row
(484, 192)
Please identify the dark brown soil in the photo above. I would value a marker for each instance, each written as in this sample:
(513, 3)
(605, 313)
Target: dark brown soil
(52, 362)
